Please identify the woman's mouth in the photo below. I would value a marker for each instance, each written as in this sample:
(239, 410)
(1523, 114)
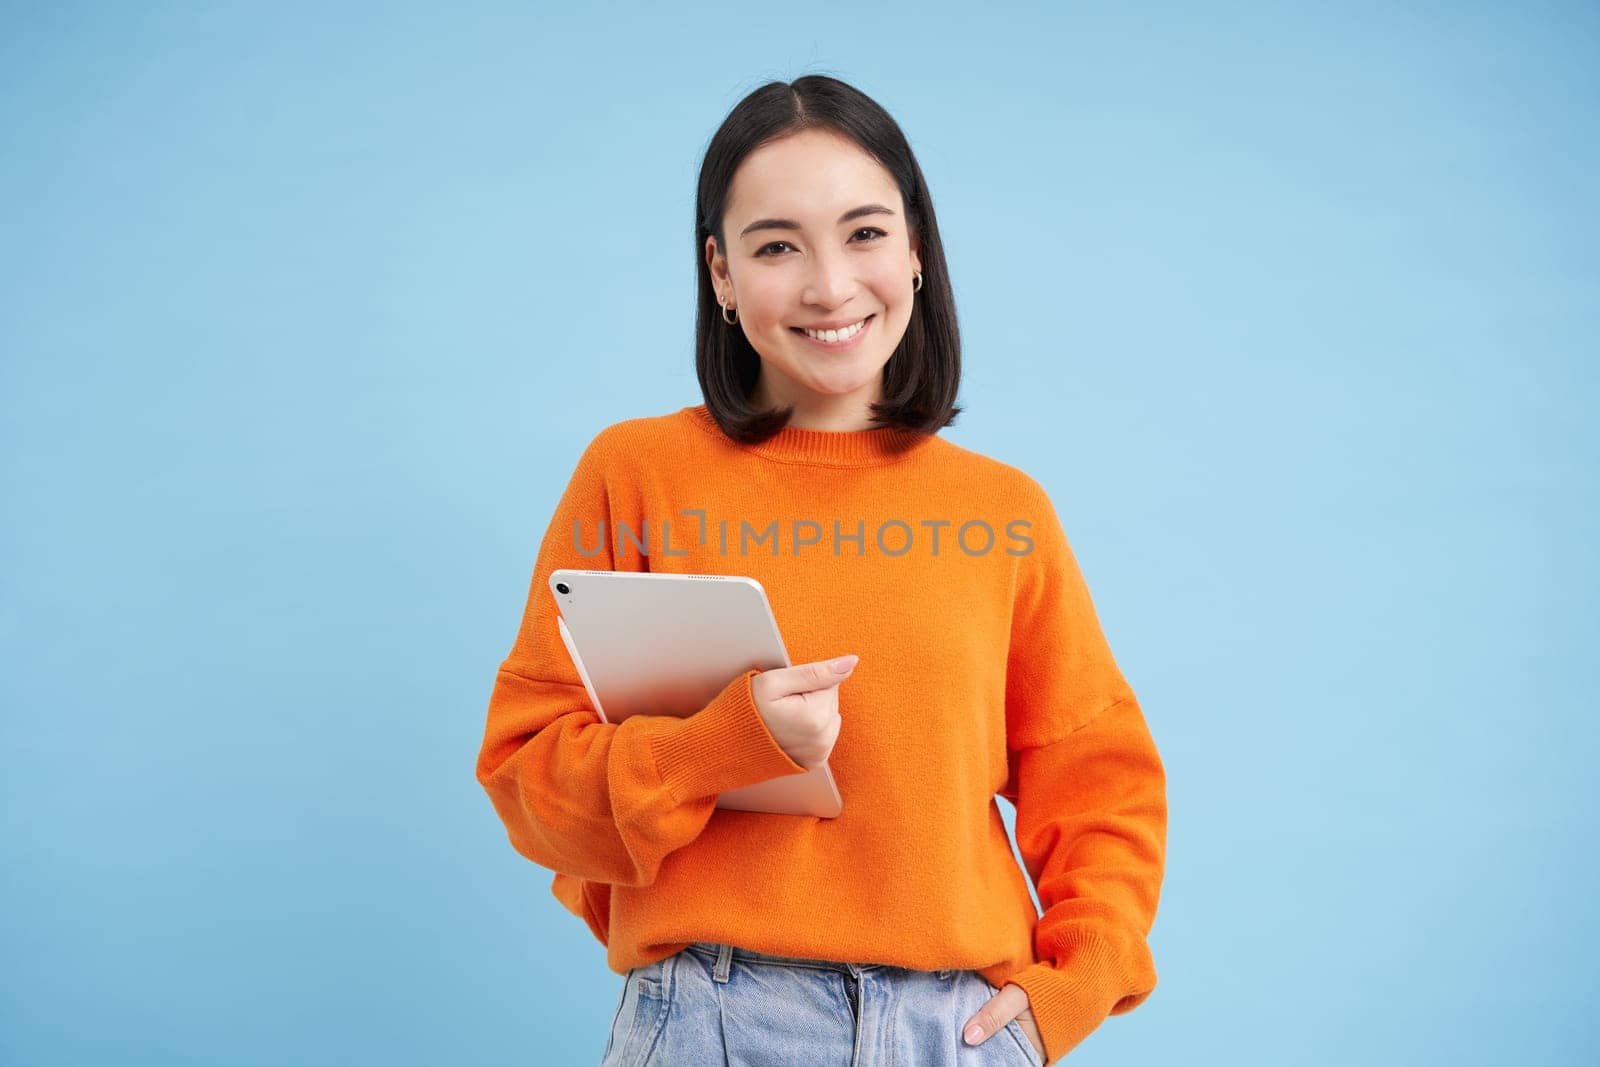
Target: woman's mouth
(842, 338)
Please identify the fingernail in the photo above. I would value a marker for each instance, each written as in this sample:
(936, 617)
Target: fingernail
(973, 1033)
(843, 664)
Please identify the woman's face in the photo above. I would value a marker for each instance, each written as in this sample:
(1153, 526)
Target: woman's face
(801, 254)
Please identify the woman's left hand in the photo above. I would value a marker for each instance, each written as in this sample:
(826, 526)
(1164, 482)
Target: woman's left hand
(1010, 1003)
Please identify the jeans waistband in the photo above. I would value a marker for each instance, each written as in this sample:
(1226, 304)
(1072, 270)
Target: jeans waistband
(719, 952)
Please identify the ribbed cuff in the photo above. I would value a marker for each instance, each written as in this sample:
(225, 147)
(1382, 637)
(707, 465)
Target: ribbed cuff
(1070, 1003)
(723, 746)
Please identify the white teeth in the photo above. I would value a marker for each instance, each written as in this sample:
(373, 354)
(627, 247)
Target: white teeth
(835, 336)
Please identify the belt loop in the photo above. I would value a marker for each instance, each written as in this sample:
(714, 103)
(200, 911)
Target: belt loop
(944, 976)
(724, 962)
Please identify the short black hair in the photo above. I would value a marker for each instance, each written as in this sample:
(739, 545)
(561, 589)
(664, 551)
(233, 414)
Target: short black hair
(921, 378)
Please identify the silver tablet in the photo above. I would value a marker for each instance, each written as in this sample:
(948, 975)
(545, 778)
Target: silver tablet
(667, 644)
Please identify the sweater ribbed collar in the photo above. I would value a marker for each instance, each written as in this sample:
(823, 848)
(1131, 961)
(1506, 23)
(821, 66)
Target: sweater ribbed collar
(828, 448)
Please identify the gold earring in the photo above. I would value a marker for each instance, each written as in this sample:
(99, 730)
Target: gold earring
(731, 322)
(918, 287)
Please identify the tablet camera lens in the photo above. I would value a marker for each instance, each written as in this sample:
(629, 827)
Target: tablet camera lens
(561, 587)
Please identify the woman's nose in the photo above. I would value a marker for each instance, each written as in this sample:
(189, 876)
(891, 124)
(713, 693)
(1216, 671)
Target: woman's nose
(829, 282)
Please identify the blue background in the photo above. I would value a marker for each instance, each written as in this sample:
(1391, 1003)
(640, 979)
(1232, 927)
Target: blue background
(308, 311)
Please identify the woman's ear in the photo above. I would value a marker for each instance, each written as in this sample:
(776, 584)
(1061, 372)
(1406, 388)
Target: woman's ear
(715, 263)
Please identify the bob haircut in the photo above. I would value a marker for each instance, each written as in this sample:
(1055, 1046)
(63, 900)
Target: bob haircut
(921, 378)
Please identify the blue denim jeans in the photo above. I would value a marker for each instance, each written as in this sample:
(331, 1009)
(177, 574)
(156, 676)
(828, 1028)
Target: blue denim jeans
(721, 1004)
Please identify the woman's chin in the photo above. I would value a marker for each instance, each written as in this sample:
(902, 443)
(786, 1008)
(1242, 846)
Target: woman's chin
(839, 386)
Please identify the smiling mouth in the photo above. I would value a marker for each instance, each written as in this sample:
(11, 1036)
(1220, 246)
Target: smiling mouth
(838, 342)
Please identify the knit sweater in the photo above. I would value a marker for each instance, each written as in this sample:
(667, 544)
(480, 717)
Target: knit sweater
(984, 672)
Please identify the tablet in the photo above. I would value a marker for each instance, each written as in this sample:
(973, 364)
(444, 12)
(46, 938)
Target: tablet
(667, 644)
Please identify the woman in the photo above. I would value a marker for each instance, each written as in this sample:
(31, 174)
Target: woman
(948, 652)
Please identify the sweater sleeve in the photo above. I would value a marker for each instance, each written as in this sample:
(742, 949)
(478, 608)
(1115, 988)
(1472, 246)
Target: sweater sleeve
(1090, 792)
(591, 800)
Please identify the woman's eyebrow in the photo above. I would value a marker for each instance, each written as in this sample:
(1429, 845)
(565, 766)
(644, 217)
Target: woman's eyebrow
(790, 224)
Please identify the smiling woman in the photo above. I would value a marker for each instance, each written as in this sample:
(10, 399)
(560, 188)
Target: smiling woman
(929, 681)
(834, 275)
(825, 282)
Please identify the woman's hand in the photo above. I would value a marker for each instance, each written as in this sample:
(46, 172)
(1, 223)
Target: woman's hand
(1010, 1003)
(800, 706)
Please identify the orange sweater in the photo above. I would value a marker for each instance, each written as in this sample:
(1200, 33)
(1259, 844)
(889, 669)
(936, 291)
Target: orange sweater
(984, 672)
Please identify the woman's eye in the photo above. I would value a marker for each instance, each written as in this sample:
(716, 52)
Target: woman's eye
(766, 250)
